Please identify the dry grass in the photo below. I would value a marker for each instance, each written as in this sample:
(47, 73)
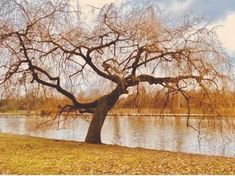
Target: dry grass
(29, 155)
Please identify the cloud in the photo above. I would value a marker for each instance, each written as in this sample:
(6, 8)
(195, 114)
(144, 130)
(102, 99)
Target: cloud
(96, 3)
(226, 32)
(221, 13)
(85, 5)
(88, 8)
(210, 9)
(178, 6)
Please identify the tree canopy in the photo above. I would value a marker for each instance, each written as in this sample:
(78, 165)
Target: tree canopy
(42, 42)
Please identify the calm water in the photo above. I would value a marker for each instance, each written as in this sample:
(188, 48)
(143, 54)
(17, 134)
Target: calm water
(161, 133)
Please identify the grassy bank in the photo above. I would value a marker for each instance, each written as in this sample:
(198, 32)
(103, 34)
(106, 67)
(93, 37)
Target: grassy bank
(29, 155)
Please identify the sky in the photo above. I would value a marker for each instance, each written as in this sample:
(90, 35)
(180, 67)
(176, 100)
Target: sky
(220, 13)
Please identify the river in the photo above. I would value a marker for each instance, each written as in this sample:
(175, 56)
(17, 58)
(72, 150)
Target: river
(161, 133)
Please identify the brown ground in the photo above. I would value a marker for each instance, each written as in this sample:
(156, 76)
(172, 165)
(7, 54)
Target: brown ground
(29, 155)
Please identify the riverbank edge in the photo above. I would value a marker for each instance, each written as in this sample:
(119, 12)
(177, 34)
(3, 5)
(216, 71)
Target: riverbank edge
(33, 155)
(124, 114)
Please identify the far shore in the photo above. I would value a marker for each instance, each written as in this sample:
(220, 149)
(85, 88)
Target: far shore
(119, 112)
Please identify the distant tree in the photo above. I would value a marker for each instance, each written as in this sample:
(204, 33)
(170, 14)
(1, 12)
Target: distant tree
(40, 42)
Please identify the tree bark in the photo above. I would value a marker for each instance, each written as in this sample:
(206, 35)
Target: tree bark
(105, 103)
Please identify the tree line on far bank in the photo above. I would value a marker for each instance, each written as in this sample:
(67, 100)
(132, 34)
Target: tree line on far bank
(154, 102)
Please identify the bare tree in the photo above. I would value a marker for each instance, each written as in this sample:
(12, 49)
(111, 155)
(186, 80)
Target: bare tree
(124, 47)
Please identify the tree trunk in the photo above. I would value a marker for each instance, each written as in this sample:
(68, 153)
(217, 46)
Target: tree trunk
(105, 103)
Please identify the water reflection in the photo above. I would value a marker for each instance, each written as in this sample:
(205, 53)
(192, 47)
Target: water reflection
(162, 133)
